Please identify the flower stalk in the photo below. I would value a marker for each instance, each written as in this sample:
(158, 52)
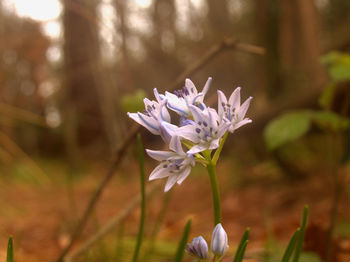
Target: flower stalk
(211, 168)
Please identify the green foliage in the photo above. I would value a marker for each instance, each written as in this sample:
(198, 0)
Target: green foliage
(329, 120)
(293, 125)
(286, 128)
(338, 66)
(242, 246)
(309, 257)
(182, 244)
(342, 228)
(327, 96)
(300, 240)
(10, 257)
(143, 198)
(133, 102)
(291, 245)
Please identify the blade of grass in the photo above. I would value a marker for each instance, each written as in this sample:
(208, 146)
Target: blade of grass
(244, 239)
(300, 241)
(182, 244)
(143, 198)
(240, 253)
(289, 250)
(157, 225)
(10, 257)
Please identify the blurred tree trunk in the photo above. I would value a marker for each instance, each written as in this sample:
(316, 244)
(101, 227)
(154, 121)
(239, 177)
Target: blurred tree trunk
(300, 44)
(161, 47)
(267, 24)
(163, 18)
(123, 31)
(219, 17)
(83, 117)
(338, 21)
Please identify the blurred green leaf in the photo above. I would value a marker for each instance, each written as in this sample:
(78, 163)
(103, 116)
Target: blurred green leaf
(300, 240)
(339, 73)
(242, 246)
(286, 128)
(143, 198)
(10, 257)
(329, 120)
(342, 228)
(309, 257)
(133, 102)
(327, 96)
(182, 244)
(338, 65)
(289, 250)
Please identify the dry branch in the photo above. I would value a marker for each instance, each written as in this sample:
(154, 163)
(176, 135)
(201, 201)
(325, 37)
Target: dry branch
(226, 44)
(21, 114)
(131, 205)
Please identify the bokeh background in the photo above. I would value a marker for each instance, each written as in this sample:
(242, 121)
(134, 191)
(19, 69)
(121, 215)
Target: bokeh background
(71, 69)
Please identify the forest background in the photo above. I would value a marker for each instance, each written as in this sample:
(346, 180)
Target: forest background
(71, 69)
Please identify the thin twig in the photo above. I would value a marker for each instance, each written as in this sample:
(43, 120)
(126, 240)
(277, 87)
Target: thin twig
(226, 44)
(132, 204)
(21, 114)
(17, 151)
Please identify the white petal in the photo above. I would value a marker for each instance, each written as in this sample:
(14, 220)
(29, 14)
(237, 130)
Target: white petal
(221, 102)
(163, 111)
(197, 113)
(159, 172)
(189, 132)
(214, 144)
(184, 174)
(158, 96)
(235, 98)
(160, 155)
(177, 104)
(197, 148)
(167, 131)
(223, 128)
(148, 122)
(191, 87)
(213, 118)
(170, 182)
(244, 108)
(206, 86)
(175, 145)
(242, 123)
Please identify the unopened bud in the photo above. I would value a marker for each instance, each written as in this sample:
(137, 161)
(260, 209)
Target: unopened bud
(198, 248)
(219, 240)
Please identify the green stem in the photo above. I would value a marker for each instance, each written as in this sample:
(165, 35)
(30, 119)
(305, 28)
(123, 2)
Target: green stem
(218, 151)
(211, 167)
(143, 199)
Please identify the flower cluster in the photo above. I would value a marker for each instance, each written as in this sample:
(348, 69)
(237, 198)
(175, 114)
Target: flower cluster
(199, 127)
(199, 247)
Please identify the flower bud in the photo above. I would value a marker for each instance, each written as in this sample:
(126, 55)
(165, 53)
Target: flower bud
(219, 240)
(198, 248)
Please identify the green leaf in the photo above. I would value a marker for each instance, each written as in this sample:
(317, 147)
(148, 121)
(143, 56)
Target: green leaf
(327, 96)
(309, 257)
(289, 250)
(133, 102)
(286, 128)
(340, 73)
(182, 244)
(10, 257)
(143, 198)
(329, 120)
(300, 241)
(240, 254)
(242, 245)
(338, 66)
